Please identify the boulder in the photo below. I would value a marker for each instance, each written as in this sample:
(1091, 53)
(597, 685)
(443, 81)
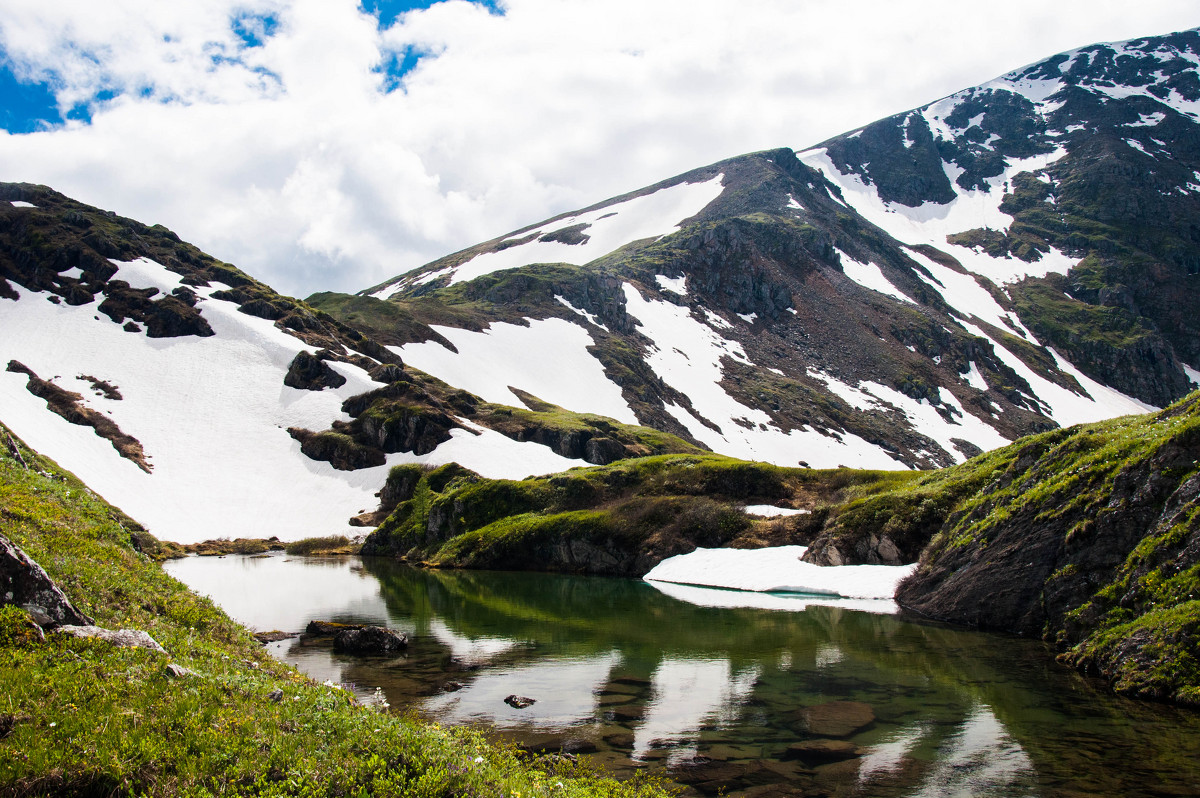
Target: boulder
(370, 640)
(519, 701)
(24, 583)
(837, 718)
(121, 638)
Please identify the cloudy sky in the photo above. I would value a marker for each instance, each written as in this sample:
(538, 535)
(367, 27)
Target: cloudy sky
(330, 144)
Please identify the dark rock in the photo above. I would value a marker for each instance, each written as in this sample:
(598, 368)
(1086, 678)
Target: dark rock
(519, 701)
(25, 584)
(309, 372)
(174, 671)
(371, 640)
(386, 372)
(121, 638)
(338, 449)
(452, 687)
(837, 718)
(275, 695)
(273, 636)
(817, 752)
(9, 721)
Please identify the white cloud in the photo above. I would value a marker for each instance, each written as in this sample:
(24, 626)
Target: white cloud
(290, 160)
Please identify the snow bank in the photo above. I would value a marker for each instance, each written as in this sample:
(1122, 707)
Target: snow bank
(778, 570)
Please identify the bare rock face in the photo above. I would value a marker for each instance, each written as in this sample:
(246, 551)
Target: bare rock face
(24, 583)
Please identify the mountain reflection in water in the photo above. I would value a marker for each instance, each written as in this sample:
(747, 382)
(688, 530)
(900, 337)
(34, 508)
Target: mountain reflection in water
(745, 701)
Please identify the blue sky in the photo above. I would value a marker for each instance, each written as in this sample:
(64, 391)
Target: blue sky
(331, 144)
(29, 103)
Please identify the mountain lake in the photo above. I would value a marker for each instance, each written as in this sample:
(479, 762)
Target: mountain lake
(724, 699)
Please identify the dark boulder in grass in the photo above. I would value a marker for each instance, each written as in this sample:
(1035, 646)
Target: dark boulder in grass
(25, 584)
(376, 640)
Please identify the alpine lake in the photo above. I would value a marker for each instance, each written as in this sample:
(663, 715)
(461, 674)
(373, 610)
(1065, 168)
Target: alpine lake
(799, 698)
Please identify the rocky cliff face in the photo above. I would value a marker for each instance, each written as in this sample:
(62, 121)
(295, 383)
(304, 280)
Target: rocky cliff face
(1089, 539)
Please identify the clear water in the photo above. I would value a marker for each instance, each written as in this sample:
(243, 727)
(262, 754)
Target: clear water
(719, 697)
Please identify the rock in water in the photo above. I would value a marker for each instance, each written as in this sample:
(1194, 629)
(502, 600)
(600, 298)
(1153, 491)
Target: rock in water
(370, 640)
(519, 701)
(24, 583)
(817, 752)
(838, 718)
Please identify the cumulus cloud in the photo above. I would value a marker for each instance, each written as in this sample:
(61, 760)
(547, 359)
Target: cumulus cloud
(275, 133)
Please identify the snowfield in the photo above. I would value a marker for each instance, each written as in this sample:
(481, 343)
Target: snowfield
(212, 415)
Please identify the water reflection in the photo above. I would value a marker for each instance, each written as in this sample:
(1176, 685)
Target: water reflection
(723, 697)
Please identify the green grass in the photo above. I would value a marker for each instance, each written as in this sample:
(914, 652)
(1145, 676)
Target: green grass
(84, 718)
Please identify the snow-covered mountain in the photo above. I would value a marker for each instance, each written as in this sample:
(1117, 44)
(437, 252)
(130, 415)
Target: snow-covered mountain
(1012, 258)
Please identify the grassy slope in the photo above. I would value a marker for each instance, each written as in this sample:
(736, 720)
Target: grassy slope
(83, 718)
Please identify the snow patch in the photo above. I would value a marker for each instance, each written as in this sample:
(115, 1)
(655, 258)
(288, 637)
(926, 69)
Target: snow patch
(22, 204)
(676, 285)
(608, 229)
(1192, 374)
(491, 454)
(868, 275)
(778, 569)
(974, 378)
(548, 359)
(591, 317)
(771, 511)
(1148, 120)
(794, 204)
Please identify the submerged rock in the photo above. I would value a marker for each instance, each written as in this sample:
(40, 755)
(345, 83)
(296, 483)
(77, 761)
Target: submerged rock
(815, 752)
(837, 718)
(519, 701)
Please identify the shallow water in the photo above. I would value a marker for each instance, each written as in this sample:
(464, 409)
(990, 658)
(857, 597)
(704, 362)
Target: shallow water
(745, 701)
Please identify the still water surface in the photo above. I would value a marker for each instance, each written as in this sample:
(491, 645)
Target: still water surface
(736, 701)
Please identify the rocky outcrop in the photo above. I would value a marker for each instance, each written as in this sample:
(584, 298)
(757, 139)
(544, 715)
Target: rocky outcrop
(309, 372)
(1089, 538)
(25, 584)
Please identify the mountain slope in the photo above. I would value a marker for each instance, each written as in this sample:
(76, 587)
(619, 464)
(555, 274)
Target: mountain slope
(210, 406)
(1015, 257)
